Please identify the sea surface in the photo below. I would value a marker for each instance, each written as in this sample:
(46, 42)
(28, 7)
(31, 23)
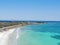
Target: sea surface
(40, 34)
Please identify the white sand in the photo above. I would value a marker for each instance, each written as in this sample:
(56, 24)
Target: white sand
(7, 37)
(13, 37)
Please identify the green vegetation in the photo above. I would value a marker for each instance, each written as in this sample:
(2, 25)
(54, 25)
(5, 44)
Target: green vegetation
(22, 23)
(5, 25)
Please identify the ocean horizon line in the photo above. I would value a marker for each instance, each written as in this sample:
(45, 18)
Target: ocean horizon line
(26, 21)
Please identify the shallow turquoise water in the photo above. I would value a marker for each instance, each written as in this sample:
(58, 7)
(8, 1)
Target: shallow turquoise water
(40, 34)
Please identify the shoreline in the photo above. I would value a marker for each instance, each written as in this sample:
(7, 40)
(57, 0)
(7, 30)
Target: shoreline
(8, 28)
(12, 40)
(6, 35)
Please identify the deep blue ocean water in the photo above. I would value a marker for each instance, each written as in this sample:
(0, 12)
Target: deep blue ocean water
(40, 34)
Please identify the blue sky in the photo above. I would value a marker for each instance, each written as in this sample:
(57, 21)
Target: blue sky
(43, 10)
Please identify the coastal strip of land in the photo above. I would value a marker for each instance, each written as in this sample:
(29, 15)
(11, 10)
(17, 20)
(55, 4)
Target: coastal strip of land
(6, 35)
(8, 31)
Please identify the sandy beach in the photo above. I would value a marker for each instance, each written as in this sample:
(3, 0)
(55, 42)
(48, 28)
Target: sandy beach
(8, 37)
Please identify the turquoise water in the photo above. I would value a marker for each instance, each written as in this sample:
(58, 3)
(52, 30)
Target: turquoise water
(40, 34)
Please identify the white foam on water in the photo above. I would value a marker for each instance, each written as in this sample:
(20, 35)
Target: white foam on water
(17, 34)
